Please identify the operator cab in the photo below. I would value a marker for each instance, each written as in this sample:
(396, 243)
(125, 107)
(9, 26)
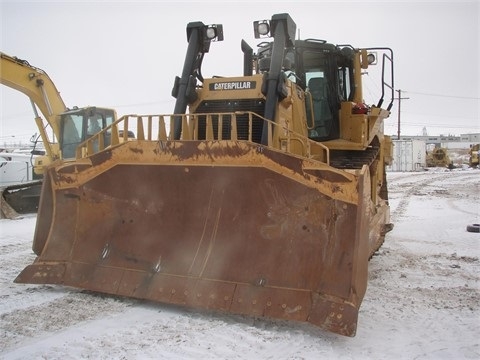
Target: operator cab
(326, 74)
(78, 125)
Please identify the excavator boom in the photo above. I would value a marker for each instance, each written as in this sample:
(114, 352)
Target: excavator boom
(18, 74)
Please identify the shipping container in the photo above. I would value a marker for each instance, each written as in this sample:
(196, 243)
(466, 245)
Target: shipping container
(408, 155)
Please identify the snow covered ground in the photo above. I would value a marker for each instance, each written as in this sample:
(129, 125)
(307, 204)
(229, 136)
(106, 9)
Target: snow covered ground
(422, 302)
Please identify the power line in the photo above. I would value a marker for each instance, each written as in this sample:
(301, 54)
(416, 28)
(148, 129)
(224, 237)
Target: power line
(441, 115)
(392, 128)
(409, 124)
(445, 96)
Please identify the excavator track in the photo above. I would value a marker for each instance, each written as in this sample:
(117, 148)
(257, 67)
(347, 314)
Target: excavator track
(20, 199)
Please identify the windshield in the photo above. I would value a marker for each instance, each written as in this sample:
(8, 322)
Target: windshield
(80, 125)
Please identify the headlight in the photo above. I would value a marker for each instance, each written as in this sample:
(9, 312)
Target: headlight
(211, 33)
(372, 59)
(261, 28)
(214, 32)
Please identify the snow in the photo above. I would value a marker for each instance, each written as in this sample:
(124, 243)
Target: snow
(422, 300)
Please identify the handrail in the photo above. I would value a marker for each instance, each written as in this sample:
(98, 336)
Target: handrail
(386, 57)
(159, 128)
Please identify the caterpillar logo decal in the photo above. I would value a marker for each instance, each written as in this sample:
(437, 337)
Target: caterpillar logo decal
(233, 85)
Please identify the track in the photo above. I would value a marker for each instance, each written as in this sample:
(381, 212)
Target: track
(19, 199)
(349, 159)
(404, 186)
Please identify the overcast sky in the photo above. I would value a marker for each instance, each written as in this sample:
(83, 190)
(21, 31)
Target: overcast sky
(125, 55)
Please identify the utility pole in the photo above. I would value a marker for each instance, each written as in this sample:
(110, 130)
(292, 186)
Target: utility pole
(399, 106)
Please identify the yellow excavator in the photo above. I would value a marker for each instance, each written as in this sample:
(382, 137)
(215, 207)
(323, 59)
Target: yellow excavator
(69, 127)
(262, 194)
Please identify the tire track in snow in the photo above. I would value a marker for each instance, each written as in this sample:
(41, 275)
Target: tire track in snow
(409, 190)
(465, 193)
(27, 310)
(14, 257)
(74, 308)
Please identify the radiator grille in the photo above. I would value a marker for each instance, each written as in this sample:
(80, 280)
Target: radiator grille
(223, 106)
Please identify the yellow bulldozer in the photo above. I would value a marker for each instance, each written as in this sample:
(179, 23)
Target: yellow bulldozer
(474, 152)
(438, 157)
(262, 194)
(69, 127)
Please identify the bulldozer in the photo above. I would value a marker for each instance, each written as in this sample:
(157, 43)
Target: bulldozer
(262, 195)
(474, 152)
(438, 157)
(69, 127)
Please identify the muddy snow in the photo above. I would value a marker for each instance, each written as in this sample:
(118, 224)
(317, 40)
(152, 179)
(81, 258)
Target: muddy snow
(422, 300)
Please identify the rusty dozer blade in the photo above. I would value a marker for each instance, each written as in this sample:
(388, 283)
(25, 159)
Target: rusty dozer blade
(231, 226)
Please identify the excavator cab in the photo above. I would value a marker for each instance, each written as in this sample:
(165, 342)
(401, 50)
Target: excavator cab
(78, 125)
(70, 128)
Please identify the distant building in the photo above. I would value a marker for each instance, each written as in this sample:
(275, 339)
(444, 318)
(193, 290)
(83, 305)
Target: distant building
(446, 141)
(471, 138)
